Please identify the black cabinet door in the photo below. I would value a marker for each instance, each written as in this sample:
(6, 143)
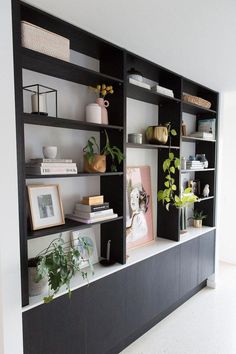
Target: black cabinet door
(152, 286)
(105, 312)
(57, 327)
(206, 256)
(189, 255)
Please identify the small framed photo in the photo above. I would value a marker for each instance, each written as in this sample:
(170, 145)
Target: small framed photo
(45, 206)
(86, 243)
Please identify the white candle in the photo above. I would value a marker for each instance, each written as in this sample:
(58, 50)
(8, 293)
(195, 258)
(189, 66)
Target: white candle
(41, 99)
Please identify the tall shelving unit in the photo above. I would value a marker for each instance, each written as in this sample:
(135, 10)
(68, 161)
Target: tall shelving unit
(114, 64)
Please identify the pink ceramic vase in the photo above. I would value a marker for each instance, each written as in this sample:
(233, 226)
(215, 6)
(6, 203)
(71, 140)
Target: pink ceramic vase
(103, 104)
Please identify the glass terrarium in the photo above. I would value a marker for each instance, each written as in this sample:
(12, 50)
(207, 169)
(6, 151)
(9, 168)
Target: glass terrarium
(40, 99)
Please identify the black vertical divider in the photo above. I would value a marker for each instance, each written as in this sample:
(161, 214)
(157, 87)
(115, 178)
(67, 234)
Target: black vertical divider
(170, 112)
(113, 187)
(22, 199)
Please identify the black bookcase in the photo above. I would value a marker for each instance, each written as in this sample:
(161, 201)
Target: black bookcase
(114, 64)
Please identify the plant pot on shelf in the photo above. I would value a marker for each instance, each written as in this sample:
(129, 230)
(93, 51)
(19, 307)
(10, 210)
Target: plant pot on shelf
(97, 164)
(104, 114)
(35, 288)
(197, 223)
(157, 134)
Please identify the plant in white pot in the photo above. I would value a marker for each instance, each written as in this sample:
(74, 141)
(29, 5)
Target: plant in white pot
(197, 218)
(57, 264)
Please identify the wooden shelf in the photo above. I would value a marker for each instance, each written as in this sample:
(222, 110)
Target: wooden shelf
(81, 174)
(145, 95)
(47, 65)
(195, 109)
(66, 123)
(199, 170)
(68, 226)
(191, 139)
(150, 146)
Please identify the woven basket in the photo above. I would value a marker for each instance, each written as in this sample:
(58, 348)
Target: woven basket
(43, 41)
(196, 100)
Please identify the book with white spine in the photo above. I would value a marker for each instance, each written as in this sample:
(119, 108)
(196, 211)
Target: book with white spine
(43, 160)
(51, 170)
(93, 215)
(91, 221)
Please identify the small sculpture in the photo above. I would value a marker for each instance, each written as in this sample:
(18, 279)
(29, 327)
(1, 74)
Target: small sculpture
(206, 191)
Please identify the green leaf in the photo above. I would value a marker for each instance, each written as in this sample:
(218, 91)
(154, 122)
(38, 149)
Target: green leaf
(174, 188)
(177, 163)
(167, 184)
(172, 169)
(173, 132)
(166, 165)
(171, 156)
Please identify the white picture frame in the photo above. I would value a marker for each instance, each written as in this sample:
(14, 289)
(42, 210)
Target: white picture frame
(87, 235)
(45, 204)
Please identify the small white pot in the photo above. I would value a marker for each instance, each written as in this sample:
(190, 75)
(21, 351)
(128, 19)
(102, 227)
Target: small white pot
(50, 152)
(36, 288)
(93, 113)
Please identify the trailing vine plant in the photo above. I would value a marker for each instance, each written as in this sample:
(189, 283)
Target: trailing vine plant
(168, 195)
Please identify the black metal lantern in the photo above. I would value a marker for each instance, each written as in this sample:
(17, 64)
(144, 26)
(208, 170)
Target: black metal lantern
(39, 102)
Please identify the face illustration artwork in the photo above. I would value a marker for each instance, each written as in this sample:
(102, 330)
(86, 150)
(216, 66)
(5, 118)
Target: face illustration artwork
(134, 199)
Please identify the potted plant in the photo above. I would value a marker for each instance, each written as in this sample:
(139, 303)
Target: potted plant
(197, 218)
(95, 161)
(55, 266)
(168, 195)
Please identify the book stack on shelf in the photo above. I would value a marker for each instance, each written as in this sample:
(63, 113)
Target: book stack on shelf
(202, 135)
(43, 166)
(92, 209)
(194, 165)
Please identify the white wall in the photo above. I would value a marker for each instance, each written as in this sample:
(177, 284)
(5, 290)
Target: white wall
(10, 301)
(226, 188)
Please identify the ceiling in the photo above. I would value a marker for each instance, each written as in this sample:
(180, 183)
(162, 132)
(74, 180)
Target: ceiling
(194, 39)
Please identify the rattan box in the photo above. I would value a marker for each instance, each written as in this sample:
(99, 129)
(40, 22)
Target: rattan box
(43, 41)
(196, 100)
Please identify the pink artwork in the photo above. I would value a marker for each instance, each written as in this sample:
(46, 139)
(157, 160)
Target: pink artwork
(139, 225)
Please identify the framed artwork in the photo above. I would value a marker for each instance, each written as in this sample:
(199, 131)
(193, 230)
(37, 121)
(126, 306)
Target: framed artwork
(45, 206)
(139, 222)
(86, 243)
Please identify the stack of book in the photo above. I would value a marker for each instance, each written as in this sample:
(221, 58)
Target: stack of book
(43, 166)
(91, 210)
(195, 165)
(202, 135)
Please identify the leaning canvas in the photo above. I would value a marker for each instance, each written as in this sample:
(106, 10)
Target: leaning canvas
(139, 221)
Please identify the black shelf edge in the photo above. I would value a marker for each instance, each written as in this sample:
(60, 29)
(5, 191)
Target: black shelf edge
(37, 119)
(45, 64)
(195, 109)
(205, 198)
(150, 146)
(191, 139)
(68, 226)
(198, 170)
(145, 95)
(80, 174)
